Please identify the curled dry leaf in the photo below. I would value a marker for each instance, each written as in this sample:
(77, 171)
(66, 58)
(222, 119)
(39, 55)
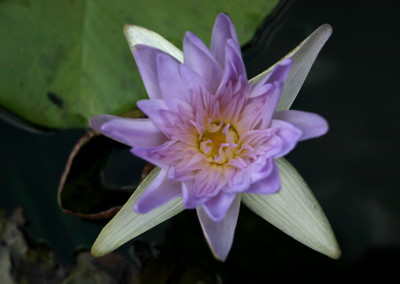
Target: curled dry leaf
(83, 190)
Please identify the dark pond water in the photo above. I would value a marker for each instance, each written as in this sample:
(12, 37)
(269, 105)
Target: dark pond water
(353, 170)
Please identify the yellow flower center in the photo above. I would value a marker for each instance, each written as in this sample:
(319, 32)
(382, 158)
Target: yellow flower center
(219, 142)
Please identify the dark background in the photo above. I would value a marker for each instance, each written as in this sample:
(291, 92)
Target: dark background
(353, 170)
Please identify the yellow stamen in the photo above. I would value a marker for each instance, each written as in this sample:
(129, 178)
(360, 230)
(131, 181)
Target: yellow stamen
(219, 135)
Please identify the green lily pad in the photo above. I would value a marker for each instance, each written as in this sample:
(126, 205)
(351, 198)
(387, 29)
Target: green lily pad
(63, 61)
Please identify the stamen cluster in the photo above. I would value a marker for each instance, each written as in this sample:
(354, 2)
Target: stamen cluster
(219, 142)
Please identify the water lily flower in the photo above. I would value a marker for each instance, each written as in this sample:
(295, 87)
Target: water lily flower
(217, 139)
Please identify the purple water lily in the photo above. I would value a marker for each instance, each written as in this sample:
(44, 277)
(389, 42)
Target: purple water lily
(213, 134)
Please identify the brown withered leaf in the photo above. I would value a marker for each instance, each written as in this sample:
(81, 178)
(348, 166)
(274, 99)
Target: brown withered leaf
(84, 190)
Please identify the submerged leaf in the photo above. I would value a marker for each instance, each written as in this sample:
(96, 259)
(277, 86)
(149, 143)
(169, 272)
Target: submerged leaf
(296, 212)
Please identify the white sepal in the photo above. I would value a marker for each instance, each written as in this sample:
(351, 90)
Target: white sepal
(295, 211)
(139, 35)
(303, 57)
(128, 224)
(219, 235)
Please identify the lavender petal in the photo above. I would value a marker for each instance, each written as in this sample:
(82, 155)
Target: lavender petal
(277, 77)
(219, 235)
(169, 78)
(132, 132)
(146, 60)
(235, 71)
(158, 193)
(222, 32)
(312, 125)
(198, 57)
(216, 207)
(269, 184)
(288, 134)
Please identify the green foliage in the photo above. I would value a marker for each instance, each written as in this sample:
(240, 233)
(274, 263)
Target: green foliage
(63, 61)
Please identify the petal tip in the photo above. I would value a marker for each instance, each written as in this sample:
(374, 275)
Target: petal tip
(132, 34)
(215, 218)
(97, 250)
(130, 29)
(324, 127)
(189, 36)
(287, 62)
(92, 123)
(323, 32)
(327, 28)
(224, 17)
(138, 207)
(336, 253)
(127, 28)
(219, 257)
(332, 248)
(97, 122)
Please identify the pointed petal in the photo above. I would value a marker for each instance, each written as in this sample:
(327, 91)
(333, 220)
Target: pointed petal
(303, 57)
(153, 109)
(146, 60)
(133, 132)
(138, 35)
(219, 235)
(156, 155)
(267, 92)
(277, 77)
(128, 224)
(288, 134)
(268, 185)
(296, 212)
(252, 112)
(192, 81)
(158, 193)
(223, 31)
(234, 67)
(189, 200)
(170, 79)
(280, 72)
(217, 206)
(261, 168)
(96, 122)
(198, 57)
(312, 125)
